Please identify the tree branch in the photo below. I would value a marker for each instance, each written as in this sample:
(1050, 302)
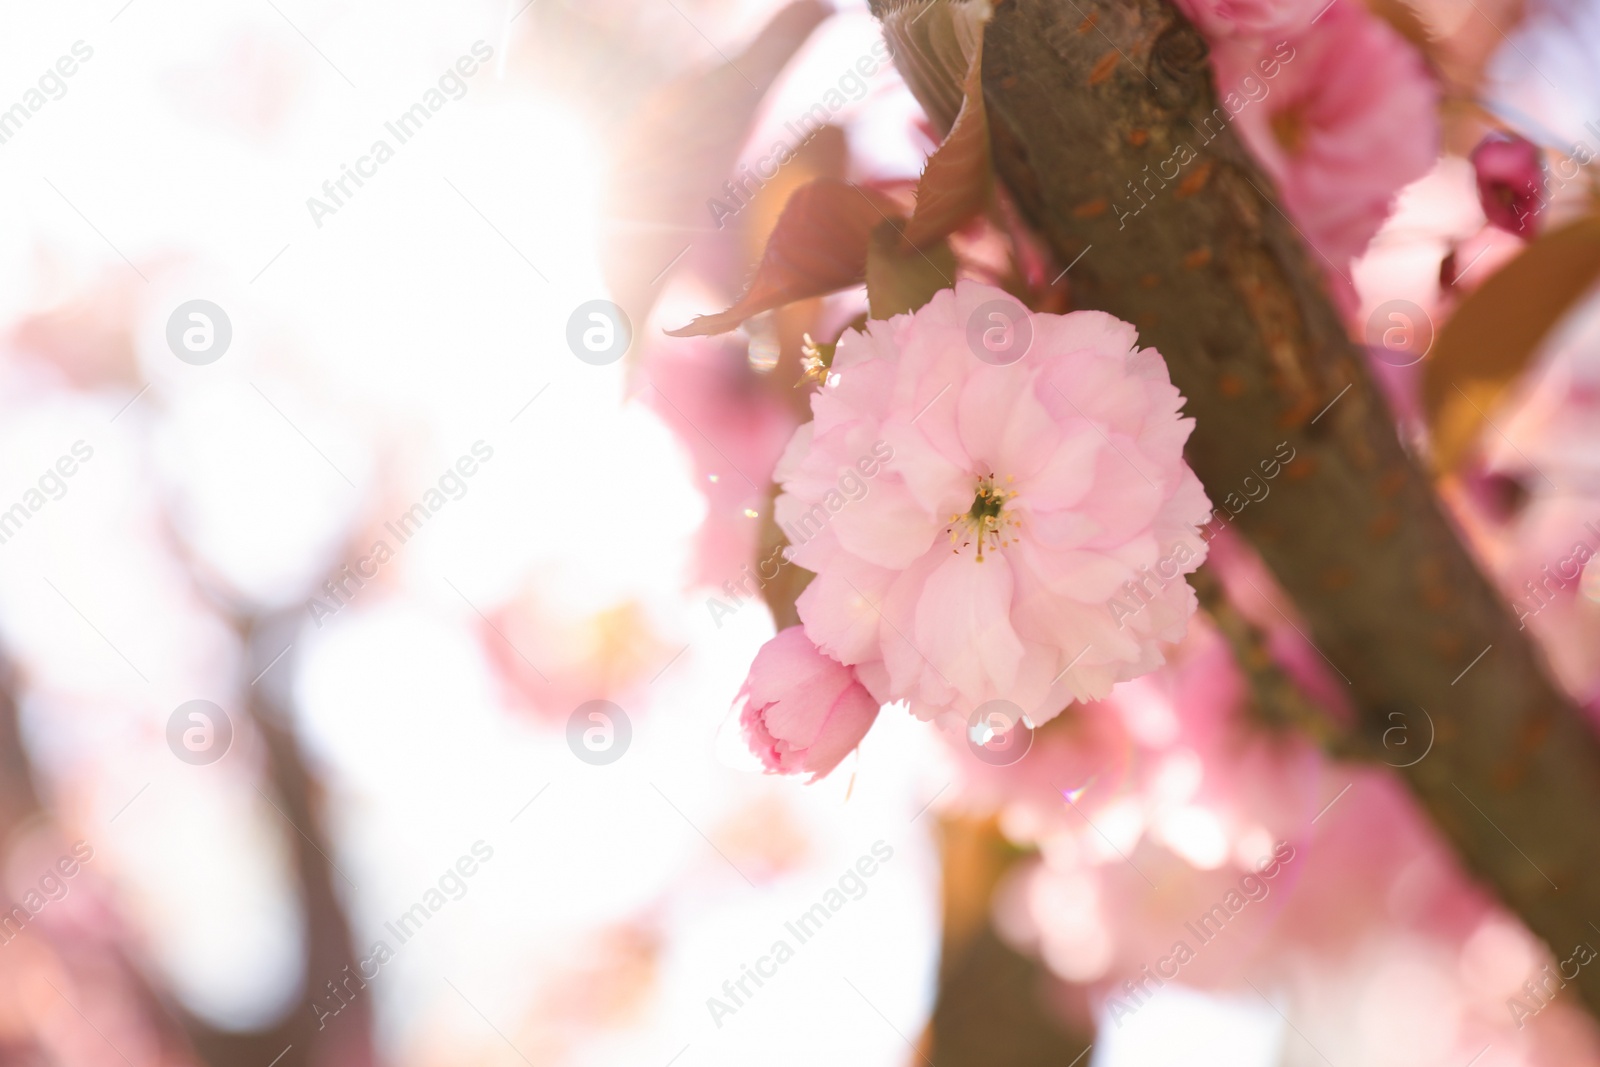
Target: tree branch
(300, 1038)
(1082, 97)
(993, 1007)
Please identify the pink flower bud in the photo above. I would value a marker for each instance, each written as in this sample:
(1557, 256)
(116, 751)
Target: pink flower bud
(1510, 173)
(803, 711)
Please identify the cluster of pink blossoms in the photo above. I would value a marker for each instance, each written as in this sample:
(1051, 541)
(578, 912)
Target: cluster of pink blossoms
(1180, 843)
(1022, 499)
(734, 431)
(990, 557)
(1338, 108)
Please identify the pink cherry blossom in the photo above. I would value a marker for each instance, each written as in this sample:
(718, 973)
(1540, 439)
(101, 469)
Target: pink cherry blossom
(803, 711)
(1164, 815)
(1348, 118)
(1261, 19)
(734, 425)
(1170, 757)
(1510, 173)
(590, 653)
(1147, 808)
(1026, 536)
(1533, 513)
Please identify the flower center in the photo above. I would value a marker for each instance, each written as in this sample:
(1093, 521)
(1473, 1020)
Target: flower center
(985, 521)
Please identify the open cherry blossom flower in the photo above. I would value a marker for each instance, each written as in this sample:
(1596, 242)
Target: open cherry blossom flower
(1026, 528)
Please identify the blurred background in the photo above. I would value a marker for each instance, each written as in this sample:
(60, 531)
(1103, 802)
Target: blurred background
(322, 528)
(418, 715)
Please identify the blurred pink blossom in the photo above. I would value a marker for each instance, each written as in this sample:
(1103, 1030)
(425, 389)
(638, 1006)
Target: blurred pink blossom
(549, 658)
(1261, 19)
(1349, 118)
(1510, 173)
(1531, 507)
(734, 425)
(1179, 841)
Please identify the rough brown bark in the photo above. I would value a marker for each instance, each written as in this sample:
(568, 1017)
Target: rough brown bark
(994, 1007)
(1082, 96)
